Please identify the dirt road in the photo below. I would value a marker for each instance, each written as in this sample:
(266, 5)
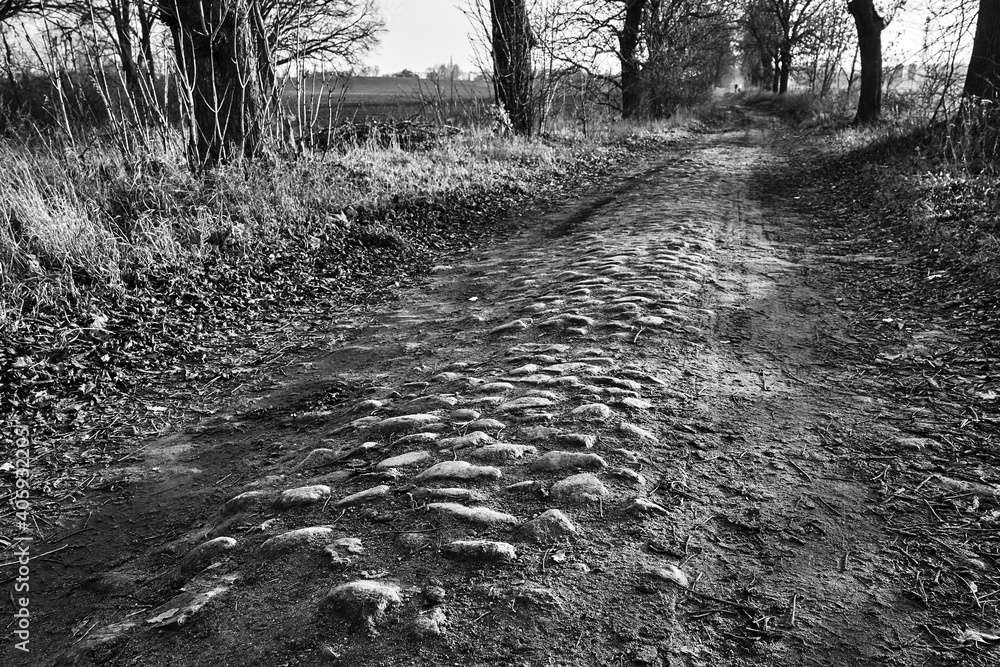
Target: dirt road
(613, 440)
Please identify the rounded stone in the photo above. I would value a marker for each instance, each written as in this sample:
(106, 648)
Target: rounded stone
(581, 488)
(404, 460)
(245, 501)
(318, 458)
(295, 539)
(205, 554)
(481, 550)
(363, 601)
(549, 527)
(304, 495)
(556, 461)
(366, 496)
(593, 412)
(478, 515)
(502, 452)
(459, 470)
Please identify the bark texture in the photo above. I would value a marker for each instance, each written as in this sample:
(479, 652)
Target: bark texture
(512, 44)
(983, 78)
(870, 26)
(628, 43)
(218, 58)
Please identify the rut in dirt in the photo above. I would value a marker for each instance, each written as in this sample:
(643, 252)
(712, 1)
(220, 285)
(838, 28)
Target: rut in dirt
(615, 445)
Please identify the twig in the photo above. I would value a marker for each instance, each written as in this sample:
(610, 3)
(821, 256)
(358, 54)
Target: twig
(801, 471)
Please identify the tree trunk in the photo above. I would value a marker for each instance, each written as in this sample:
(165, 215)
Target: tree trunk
(628, 43)
(870, 26)
(121, 14)
(785, 67)
(218, 61)
(983, 77)
(512, 44)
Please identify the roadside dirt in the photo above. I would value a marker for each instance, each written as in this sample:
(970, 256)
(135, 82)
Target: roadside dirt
(663, 366)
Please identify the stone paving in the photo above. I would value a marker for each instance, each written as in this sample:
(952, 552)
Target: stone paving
(519, 463)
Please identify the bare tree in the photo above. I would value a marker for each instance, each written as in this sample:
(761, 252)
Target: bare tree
(339, 31)
(983, 77)
(225, 65)
(512, 41)
(870, 26)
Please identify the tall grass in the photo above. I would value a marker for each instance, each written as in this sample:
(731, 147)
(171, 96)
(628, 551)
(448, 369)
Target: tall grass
(100, 219)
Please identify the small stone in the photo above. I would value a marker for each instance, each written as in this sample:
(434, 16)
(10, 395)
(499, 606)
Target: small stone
(527, 369)
(549, 527)
(525, 403)
(621, 383)
(495, 388)
(593, 412)
(318, 458)
(581, 488)
(293, 539)
(629, 455)
(363, 601)
(434, 594)
(368, 405)
(245, 501)
(429, 624)
(447, 377)
(205, 554)
(646, 507)
(486, 425)
(536, 433)
(635, 432)
(412, 541)
(511, 327)
(404, 460)
(366, 496)
(464, 415)
(629, 475)
(478, 515)
(538, 348)
(404, 423)
(579, 332)
(304, 495)
(459, 494)
(555, 461)
(480, 550)
(670, 573)
(577, 440)
(502, 452)
(351, 545)
(364, 423)
(473, 439)
(636, 403)
(459, 470)
(651, 321)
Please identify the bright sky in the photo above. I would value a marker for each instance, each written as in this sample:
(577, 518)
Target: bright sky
(423, 33)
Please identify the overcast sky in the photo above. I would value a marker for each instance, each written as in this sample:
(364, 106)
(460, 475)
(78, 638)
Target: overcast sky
(421, 34)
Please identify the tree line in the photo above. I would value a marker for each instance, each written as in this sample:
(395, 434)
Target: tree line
(651, 54)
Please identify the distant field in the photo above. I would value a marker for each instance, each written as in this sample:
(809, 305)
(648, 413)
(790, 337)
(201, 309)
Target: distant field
(387, 98)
